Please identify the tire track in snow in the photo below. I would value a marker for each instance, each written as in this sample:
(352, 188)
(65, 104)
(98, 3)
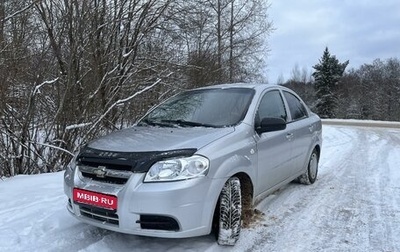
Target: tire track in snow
(349, 208)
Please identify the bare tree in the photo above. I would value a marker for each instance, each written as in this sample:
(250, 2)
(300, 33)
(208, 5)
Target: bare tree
(226, 39)
(71, 70)
(98, 62)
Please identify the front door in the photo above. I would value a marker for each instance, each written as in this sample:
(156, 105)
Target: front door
(274, 148)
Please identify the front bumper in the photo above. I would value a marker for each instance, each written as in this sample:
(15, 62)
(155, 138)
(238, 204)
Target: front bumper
(165, 209)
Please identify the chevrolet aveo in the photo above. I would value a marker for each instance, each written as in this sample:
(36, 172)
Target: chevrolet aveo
(196, 162)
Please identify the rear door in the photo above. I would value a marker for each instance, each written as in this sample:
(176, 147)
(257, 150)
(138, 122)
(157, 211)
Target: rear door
(301, 131)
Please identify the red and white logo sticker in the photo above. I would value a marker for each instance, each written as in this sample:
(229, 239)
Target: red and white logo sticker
(95, 199)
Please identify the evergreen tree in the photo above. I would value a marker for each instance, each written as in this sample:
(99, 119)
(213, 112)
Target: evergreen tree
(327, 75)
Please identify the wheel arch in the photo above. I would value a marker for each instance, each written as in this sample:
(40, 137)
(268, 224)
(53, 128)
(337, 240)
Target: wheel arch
(246, 188)
(247, 192)
(318, 149)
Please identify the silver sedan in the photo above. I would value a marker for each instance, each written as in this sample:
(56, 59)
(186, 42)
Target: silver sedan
(194, 164)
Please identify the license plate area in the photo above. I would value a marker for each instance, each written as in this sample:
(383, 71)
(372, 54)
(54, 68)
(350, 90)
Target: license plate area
(95, 199)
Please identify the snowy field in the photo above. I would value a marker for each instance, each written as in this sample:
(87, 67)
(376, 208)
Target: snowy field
(353, 206)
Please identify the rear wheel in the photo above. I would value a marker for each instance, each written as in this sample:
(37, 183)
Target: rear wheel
(230, 212)
(310, 176)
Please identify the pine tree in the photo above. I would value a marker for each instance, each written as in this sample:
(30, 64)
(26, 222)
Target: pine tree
(327, 75)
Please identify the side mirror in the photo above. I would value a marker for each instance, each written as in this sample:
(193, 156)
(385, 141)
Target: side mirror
(270, 124)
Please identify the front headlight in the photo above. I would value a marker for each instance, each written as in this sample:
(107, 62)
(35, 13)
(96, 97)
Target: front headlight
(178, 169)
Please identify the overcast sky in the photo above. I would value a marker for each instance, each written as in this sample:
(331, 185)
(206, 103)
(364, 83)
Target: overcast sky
(355, 30)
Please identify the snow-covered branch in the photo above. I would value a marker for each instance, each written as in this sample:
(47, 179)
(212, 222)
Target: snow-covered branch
(54, 147)
(77, 126)
(102, 82)
(122, 101)
(37, 87)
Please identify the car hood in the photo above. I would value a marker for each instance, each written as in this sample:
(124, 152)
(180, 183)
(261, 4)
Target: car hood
(144, 139)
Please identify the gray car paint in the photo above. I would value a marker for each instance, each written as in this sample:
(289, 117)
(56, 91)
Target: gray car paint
(270, 160)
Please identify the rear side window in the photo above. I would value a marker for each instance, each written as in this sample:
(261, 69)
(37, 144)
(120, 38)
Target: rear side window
(296, 107)
(271, 105)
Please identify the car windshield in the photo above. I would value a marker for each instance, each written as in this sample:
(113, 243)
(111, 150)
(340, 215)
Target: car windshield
(217, 107)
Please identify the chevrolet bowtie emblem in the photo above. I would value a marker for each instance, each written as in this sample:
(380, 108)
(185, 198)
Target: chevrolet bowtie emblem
(100, 172)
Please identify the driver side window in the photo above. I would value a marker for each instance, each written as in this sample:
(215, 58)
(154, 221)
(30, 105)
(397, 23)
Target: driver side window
(271, 106)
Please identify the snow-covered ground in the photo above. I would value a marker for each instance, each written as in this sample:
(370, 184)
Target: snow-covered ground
(353, 206)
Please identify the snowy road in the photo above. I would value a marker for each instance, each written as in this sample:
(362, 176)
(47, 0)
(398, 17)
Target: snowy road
(353, 206)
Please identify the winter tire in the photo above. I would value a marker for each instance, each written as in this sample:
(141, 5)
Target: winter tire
(230, 212)
(310, 175)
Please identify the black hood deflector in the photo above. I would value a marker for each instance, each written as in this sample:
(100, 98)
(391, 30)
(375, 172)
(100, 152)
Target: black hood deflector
(128, 161)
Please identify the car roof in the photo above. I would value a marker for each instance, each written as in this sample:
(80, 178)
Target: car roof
(257, 86)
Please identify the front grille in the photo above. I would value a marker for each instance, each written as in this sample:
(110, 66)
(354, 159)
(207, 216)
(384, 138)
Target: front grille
(158, 222)
(105, 174)
(99, 214)
(106, 179)
(111, 164)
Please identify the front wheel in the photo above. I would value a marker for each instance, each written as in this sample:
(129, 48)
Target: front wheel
(230, 212)
(310, 176)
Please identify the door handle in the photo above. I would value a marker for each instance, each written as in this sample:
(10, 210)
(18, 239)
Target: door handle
(289, 136)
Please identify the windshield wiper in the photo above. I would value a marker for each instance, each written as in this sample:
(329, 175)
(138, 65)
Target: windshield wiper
(153, 123)
(181, 122)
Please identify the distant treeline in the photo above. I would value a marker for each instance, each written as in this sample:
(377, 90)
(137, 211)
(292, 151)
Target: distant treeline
(370, 92)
